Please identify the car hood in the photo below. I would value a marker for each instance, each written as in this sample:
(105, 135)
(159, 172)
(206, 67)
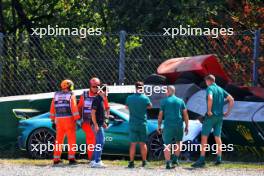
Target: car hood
(38, 117)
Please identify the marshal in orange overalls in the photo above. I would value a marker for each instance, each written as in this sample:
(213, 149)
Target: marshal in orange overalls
(64, 112)
(85, 108)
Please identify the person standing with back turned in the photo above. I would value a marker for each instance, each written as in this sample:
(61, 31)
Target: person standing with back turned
(64, 114)
(174, 111)
(215, 97)
(138, 104)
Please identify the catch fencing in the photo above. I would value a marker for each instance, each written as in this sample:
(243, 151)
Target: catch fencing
(29, 64)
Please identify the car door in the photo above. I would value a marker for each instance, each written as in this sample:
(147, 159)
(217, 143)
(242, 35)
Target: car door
(116, 136)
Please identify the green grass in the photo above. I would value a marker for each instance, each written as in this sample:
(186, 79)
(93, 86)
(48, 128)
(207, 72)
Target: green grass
(246, 161)
(123, 163)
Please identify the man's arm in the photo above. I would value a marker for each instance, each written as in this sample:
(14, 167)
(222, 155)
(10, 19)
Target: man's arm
(52, 111)
(209, 104)
(74, 108)
(160, 116)
(94, 120)
(230, 100)
(160, 121)
(80, 104)
(53, 114)
(93, 113)
(186, 120)
(126, 103)
(149, 106)
(107, 107)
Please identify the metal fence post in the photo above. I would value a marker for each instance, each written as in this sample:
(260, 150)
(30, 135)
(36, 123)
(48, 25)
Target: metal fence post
(1, 44)
(255, 57)
(0, 79)
(121, 68)
(1, 61)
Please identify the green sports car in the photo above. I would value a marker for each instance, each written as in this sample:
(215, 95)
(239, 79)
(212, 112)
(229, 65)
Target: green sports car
(38, 130)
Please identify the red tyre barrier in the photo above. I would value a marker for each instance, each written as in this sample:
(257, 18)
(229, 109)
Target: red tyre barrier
(201, 65)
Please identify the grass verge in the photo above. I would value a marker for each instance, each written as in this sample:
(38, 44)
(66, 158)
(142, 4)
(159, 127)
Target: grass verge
(123, 163)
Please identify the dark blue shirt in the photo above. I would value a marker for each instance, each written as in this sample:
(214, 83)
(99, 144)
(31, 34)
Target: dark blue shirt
(98, 105)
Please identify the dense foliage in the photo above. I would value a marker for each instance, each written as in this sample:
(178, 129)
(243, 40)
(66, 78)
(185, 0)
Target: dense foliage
(30, 64)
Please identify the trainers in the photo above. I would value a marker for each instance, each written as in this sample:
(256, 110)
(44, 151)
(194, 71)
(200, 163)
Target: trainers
(198, 163)
(169, 165)
(131, 164)
(218, 162)
(72, 162)
(175, 161)
(100, 164)
(144, 163)
(55, 162)
(92, 163)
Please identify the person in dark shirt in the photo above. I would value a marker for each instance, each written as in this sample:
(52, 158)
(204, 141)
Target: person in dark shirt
(98, 118)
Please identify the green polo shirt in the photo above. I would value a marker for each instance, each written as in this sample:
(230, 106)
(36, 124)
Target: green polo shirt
(172, 108)
(219, 96)
(137, 105)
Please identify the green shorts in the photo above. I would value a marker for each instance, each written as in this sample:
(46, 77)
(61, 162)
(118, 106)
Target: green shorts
(171, 135)
(212, 123)
(138, 133)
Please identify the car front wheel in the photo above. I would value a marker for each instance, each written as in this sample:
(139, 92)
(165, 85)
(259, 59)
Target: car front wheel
(155, 147)
(40, 143)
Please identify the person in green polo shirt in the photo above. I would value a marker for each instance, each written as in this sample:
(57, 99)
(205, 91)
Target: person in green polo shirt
(215, 97)
(174, 111)
(138, 104)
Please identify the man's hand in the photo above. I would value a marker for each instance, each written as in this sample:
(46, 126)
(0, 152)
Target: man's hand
(186, 130)
(226, 114)
(159, 130)
(209, 113)
(96, 128)
(105, 125)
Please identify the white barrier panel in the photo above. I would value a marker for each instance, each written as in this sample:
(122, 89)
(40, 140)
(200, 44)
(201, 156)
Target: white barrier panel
(244, 111)
(197, 103)
(183, 91)
(32, 97)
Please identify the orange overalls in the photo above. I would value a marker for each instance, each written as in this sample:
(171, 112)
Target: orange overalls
(85, 108)
(64, 111)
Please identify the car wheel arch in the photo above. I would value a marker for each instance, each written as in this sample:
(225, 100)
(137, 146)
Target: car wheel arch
(32, 132)
(151, 135)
